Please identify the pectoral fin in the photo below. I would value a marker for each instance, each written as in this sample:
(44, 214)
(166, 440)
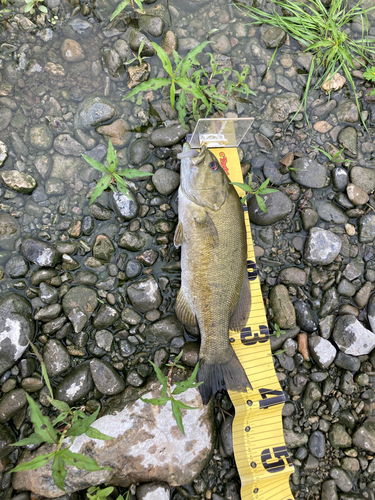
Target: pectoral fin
(183, 310)
(241, 313)
(179, 237)
(207, 227)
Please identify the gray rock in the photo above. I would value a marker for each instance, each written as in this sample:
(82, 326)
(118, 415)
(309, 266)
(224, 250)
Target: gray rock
(54, 186)
(278, 207)
(130, 316)
(5, 117)
(104, 339)
(347, 362)
(103, 248)
(346, 289)
(330, 301)
(40, 252)
(153, 25)
(75, 385)
(126, 420)
(363, 178)
(105, 378)
(93, 111)
(353, 270)
(79, 304)
(166, 181)
(139, 152)
(371, 312)
(48, 294)
(132, 241)
(125, 206)
(295, 439)
(164, 330)
(153, 491)
(351, 337)
(283, 311)
(330, 212)
(18, 181)
(48, 313)
(273, 37)
(16, 327)
(11, 403)
(309, 173)
(322, 351)
(144, 294)
(56, 358)
(3, 152)
(16, 267)
(348, 112)
(364, 436)
(221, 44)
(311, 394)
(167, 136)
(341, 478)
(280, 107)
(338, 437)
(293, 276)
(66, 145)
(317, 444)
(309, 218)
(9, 231)
(321, 246)
(329, 489)
(348, 139)
(41, 137)
(113, 64)
(105, 317)
(366, 228)
(135, 40)
(133, 268)
(305, 318)
(340, 178)
(6, 438)
(226, 436)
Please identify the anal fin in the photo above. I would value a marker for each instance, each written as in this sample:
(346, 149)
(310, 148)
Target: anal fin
(183, 310)
(240, 315)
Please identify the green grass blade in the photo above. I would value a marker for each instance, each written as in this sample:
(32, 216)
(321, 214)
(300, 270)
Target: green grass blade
(120, 8)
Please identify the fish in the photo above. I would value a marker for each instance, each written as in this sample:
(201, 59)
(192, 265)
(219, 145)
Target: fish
(215, 293)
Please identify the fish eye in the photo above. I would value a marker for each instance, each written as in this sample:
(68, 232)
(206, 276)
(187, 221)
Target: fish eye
(214, 165)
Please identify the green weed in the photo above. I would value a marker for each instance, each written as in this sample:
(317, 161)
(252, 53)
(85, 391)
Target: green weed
(336, 158)
(167, 393)
(32, 5)
(261, 190)
(96, 493)
(277, 331)
(111, 175)
(124, 4)
(321, 30)
(369, 74)
(198, 85)
(71, 422)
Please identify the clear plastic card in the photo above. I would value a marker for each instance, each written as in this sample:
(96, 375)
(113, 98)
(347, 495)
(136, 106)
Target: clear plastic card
(220, 132)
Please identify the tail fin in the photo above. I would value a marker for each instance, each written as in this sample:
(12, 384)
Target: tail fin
(229, 375)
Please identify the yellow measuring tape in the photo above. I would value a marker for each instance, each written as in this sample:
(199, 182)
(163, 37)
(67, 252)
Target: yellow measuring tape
(262, 458)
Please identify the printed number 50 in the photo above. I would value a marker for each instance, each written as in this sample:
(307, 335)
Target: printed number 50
(275, 460)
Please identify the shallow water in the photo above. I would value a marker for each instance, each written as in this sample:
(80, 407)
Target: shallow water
(38, 86)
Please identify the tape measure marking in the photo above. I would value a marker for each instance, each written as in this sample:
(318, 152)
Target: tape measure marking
(261, 456)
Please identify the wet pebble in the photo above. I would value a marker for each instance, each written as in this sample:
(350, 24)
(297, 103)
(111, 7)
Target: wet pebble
(75, 385)
(105, 378)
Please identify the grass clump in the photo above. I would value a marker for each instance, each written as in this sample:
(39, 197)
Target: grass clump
(111, 176)
(70, 423)
(321, 30)
(124, 4)
(32, 5)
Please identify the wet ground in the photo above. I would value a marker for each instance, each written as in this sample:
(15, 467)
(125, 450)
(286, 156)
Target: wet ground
(100, 281)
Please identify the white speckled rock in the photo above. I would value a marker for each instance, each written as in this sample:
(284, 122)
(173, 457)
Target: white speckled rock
(16, 326)
(153, 491)
(351, 337)
(322, 246)
(147, 446)
(322, 351)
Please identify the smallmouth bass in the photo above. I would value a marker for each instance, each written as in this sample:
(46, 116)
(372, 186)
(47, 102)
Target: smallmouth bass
(215, 292)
